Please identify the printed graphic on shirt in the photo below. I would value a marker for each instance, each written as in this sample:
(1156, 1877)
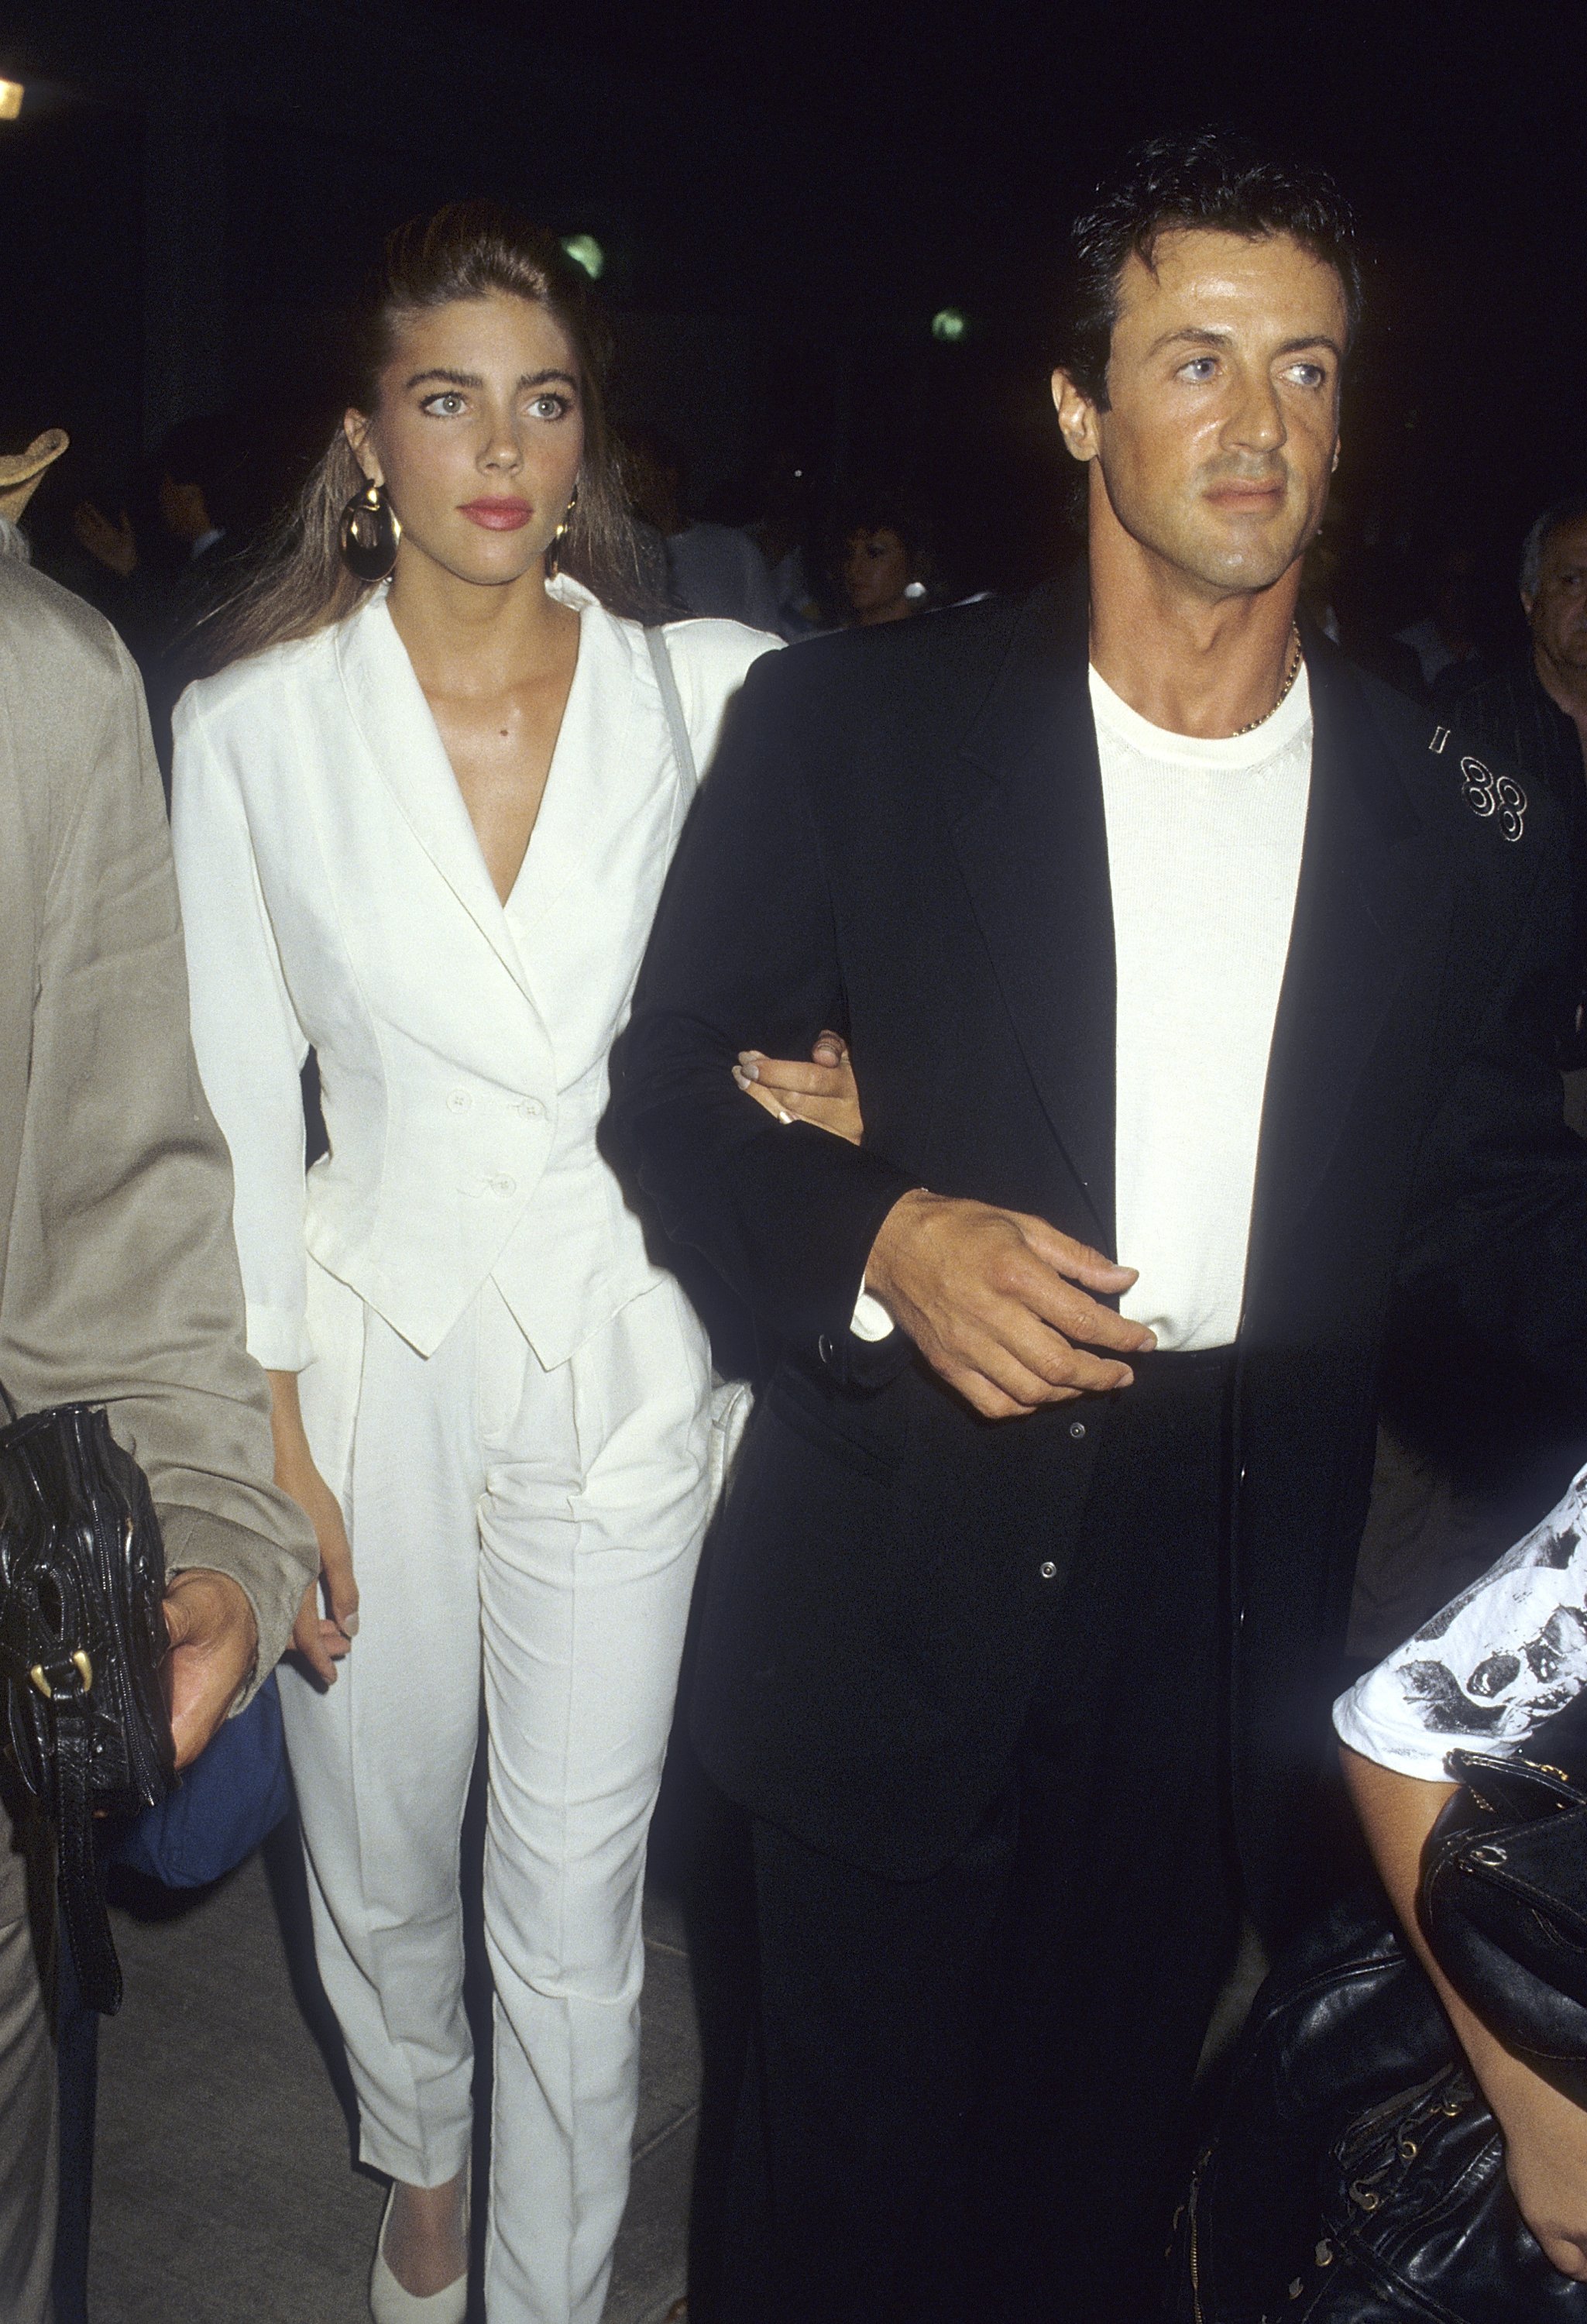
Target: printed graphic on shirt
(1496, 1663)
(1488, 794)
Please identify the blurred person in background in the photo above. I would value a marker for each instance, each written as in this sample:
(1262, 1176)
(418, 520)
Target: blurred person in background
(1450, 641)
(205, 495)
(782, 534)
(210, 494)
(119, 1276)
(422, 814)
(713, 570)
(1532, 718)
(886, 561)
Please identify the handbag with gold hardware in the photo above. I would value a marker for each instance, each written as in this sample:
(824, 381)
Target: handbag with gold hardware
(1356, 2177)
(82, 1641)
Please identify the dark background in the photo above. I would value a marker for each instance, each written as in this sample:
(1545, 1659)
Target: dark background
(785, 196)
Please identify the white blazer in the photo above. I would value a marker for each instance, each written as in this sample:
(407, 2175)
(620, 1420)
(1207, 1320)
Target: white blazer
(334, 895)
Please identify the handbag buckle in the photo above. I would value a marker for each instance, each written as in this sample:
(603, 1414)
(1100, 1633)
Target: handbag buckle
(80, 1663)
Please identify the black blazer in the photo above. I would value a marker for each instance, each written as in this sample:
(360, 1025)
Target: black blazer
(903, 837)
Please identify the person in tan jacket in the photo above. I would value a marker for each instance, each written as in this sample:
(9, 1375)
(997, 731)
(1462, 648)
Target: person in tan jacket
(119, 1276)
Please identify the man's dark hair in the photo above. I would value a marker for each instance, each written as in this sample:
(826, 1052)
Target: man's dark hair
(1211, 182)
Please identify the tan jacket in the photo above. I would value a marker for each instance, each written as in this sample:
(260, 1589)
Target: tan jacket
(118, 1275)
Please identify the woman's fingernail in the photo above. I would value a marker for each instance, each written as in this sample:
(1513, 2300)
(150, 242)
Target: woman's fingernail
(783, 1114)
(751, 1072)
(748, 1056)
(349, 1627)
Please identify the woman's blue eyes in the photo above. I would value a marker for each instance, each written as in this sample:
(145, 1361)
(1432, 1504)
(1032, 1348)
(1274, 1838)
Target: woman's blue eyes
(448, 403)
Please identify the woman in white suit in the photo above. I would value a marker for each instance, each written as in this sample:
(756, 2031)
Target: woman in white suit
(421, 824)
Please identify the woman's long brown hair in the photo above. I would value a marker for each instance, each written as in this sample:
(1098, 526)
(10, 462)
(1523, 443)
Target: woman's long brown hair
(468, 250)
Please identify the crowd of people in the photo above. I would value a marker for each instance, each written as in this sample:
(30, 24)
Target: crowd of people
(1123, 1058)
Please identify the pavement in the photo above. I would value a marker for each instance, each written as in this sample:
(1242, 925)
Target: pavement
(226, 2190)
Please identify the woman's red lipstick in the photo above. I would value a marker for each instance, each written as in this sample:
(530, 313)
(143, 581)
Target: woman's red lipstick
(497, 515)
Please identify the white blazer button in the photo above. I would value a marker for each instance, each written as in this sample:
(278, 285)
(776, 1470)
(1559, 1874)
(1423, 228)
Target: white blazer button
(532, 1107)
(505, 1185)
(459, 1101)
(1048, 1569)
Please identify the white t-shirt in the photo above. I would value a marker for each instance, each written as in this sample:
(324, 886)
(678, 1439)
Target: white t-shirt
(1203, 854)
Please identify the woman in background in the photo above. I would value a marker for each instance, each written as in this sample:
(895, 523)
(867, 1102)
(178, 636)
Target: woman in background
(422, 816)
(885, 563)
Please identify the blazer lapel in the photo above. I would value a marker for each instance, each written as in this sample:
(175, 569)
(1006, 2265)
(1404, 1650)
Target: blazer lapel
(1366, 895)
(389, 711)
(1026, 816)
(594, 775)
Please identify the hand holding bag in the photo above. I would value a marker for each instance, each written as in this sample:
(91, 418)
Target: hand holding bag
(82, 1645)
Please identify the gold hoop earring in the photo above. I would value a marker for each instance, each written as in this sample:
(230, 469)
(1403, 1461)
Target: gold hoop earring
(370, 533)
(553, 548)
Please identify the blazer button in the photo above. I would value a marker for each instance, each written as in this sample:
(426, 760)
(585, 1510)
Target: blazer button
(459, 1101)
(531, 1107)
(1077, 1429)
(1048, 1569)
(505, 1185)
(824, 1348)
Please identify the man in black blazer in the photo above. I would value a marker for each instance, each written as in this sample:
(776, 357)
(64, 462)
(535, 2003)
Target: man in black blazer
(1018, 1638)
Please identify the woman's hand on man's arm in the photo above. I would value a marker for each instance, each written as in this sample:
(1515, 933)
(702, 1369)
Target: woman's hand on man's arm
(1546, 2134)
(823, 1092)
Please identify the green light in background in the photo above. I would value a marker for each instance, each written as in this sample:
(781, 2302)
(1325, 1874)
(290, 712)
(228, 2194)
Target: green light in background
(948, 323)
(585, 252)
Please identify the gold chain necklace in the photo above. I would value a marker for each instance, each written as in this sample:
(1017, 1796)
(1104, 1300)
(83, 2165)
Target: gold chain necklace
(1295, 661)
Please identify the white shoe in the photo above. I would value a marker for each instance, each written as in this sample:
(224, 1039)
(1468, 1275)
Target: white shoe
(389, 2303)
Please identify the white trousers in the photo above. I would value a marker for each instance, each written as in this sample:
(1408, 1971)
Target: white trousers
(538, 1530)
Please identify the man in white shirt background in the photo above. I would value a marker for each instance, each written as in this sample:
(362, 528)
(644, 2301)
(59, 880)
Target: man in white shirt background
(1158, 935)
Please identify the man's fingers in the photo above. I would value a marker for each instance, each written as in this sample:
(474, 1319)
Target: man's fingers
(1031, 1284)
(1059, 1367)
(1076, 1261)
(1080, 1318)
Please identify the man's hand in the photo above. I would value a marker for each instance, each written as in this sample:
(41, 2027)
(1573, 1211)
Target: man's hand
(213, 1645)
(823, 1092)
(1000, 1302)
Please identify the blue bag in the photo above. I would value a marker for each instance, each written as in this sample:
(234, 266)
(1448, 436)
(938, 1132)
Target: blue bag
(230, 1799)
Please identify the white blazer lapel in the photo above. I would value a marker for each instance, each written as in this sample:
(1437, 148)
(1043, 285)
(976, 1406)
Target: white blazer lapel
(390, 713)
(596, 773)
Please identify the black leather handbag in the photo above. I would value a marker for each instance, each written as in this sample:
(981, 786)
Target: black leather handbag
(1356, 2177)
(82, 1641)
(1504, 1895)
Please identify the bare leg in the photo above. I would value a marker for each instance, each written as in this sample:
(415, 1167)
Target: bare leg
(427, 2236)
